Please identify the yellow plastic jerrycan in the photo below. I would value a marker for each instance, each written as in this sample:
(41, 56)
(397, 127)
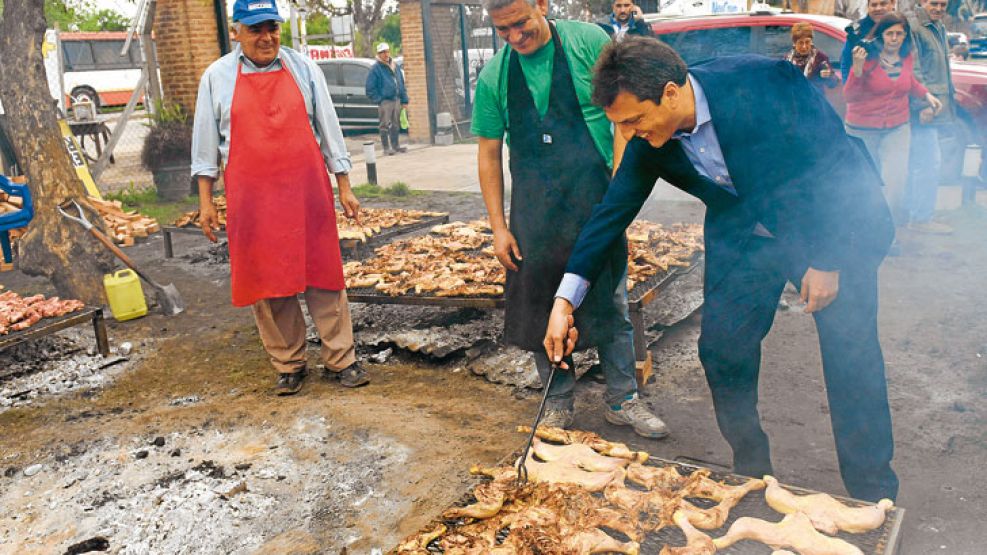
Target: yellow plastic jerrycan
(123, 289)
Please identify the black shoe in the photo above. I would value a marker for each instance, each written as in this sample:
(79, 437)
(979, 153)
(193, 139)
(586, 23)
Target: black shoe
(289, 384)
(354, 376)
(400, 149)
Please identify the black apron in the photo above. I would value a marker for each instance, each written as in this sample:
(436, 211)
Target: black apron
(557, 176)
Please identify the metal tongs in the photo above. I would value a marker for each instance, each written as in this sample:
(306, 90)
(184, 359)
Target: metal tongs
(522, 469)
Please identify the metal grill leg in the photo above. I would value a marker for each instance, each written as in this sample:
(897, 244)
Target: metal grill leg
(99, 327)
(169, 251)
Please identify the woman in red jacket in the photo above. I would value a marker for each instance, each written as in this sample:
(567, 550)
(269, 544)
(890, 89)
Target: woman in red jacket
(877, 93)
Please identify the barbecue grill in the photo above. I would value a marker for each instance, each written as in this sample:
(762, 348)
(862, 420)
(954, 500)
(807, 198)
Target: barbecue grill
(352, 247)
(881, 541)
(48, 326)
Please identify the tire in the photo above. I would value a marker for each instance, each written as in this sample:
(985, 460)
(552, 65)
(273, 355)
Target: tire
(86, 93)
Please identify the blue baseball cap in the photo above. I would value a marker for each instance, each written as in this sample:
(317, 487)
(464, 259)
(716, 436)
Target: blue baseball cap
(252, 12)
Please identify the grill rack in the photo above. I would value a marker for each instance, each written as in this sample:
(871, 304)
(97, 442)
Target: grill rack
(351, 247)
(48, 326)
(881, 541)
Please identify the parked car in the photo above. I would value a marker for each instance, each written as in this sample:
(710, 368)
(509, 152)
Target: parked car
(959, 45)
(978, 35)
(347, 79)
(699, 37)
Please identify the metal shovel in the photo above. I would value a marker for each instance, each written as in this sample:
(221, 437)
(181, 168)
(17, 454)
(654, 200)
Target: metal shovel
(168, 298)
(522, 469)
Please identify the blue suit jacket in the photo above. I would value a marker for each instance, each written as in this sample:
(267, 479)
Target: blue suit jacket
(794, 168)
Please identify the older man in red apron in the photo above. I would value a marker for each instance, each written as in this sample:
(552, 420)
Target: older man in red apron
(265, 112)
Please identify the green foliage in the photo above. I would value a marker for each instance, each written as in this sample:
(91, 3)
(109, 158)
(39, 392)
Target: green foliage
(168, 112)
(390, 32)
(145, 200)
(103, 20)
(394, 190)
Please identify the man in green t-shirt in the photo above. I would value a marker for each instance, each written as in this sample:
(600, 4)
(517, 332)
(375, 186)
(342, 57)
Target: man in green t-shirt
(536, 92)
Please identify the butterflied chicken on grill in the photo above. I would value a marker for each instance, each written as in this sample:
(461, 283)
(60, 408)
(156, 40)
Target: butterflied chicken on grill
(794, 531)
(579, 455)
(663, 477)
(489, 500)
(715, 516)
(696, 542)
(826, 513)
(597, 443)
(416, 545)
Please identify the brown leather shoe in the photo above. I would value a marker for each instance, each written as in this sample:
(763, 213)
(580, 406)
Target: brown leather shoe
(290, 384)
(354, 376)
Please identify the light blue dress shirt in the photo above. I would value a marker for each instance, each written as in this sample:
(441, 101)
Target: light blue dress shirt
(211, 130)
(702, 148)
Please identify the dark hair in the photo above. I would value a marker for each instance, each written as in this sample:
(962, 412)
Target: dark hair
(641, 66)
(877, 33)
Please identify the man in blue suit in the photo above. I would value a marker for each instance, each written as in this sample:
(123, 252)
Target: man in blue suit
(789, 197)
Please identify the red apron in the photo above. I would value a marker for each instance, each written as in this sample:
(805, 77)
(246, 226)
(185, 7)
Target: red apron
(280, 217)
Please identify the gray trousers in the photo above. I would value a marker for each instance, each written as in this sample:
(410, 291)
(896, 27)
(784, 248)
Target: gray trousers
(389, 112)
(890, 150)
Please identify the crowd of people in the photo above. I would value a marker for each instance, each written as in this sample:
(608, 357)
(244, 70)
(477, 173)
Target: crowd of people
(899, 94)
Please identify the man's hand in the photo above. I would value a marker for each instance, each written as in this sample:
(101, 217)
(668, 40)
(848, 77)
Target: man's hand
(561, 334)
(406, 112)
(926, 115)
(934, 103)
(504, 246)
(208, 219)
(819, 289)
(349, 202)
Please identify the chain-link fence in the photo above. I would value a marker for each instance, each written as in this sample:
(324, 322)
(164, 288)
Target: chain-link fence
(461, 40)
(122, 167)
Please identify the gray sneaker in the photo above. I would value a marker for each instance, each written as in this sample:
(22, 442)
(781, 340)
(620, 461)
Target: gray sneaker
(633, 412)
(557, 418)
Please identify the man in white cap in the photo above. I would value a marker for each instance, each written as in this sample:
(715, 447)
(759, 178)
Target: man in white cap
(265, 117)
(385, 88)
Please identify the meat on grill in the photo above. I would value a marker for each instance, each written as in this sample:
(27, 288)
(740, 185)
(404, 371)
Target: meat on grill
(597, 443)
(19, 313)
(579, 455)
(794, 531)
(696, 542)
(826, 513)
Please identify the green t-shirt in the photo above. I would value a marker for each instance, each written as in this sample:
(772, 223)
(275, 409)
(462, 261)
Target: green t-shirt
(582, 43)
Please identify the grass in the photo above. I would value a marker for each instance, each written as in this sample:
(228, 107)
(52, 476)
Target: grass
(397, 189)
(146, 202)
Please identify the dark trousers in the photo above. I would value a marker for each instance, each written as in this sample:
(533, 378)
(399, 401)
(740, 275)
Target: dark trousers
(737, 315)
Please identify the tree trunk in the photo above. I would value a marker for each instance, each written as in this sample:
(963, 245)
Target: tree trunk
(53, 246)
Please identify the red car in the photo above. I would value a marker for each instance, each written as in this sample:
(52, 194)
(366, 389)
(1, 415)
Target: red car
(699, 37)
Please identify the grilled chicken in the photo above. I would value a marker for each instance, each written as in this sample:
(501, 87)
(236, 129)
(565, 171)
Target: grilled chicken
(696, 542)
(826, 513)
(714, 517)
(578, 454)
(597, 443)
(795, 531)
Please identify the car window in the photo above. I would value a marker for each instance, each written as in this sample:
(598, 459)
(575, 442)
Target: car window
(701, 44)
(354, 75)
(331, 71)
(107, 55)
(78, 55)
(777, 42)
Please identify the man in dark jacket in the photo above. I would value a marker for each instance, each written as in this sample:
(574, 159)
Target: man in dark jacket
(789, 197)
(876, 9)
(385, 88)
(625, 19)
(925, 154)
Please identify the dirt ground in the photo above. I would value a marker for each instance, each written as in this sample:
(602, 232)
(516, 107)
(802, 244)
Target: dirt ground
(187, 451)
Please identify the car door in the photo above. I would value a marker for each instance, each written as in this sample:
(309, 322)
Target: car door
(361, 112)
(330, 69)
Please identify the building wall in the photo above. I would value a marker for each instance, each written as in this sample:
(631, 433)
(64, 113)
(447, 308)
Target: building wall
(413, 50)
(185, 35)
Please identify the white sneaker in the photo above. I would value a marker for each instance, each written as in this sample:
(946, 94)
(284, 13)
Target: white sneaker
(633, 412)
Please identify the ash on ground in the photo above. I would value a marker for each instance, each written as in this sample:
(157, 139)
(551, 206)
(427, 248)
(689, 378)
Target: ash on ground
(64, 362)
(206, 491)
